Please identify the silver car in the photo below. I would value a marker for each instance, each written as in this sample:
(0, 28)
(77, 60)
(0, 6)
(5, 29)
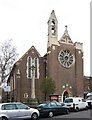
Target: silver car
(17, 110)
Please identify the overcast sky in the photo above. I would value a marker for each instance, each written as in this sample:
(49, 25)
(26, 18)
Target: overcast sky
(25, 21)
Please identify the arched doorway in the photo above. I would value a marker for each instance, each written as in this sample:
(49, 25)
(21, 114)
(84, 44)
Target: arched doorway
(65, 95)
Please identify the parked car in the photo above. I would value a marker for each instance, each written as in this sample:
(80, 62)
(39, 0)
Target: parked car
(17, 110)
(52, 108)
(76, 103)
(89, 100)
(62, 103)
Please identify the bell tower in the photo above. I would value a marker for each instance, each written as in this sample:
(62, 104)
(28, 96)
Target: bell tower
(52, 30)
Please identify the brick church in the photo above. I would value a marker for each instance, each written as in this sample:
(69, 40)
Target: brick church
(63, 62)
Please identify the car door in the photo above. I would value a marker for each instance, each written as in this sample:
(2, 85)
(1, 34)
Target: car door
(24, 111)
(10, 110)
(56, 107)
(84, 105)
(80, 104)
(62, 109)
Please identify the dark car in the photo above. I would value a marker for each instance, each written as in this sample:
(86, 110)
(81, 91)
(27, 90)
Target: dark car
(52, 108)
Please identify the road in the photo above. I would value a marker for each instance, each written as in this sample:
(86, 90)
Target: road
(87, 114)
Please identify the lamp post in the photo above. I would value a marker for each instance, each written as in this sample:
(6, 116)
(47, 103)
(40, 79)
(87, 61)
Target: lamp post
(33, 82)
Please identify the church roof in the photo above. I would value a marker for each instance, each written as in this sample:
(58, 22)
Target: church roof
(66, 38)
(32, 48)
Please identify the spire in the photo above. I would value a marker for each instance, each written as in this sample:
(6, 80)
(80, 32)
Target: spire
(52, 12)
(66, 31)
(52, 30)
(52, 16)
(66, 38)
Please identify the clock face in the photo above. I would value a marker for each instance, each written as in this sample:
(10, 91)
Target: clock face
(66, 58)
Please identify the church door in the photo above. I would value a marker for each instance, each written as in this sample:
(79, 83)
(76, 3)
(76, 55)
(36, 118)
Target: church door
(65, 95)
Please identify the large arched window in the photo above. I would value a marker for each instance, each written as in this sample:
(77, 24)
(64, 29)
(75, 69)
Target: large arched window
(30, 63)
(37, 68)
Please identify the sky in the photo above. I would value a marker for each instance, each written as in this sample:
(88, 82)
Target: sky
(25, 22)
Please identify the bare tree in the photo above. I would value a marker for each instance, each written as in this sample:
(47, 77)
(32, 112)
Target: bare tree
(8, 56)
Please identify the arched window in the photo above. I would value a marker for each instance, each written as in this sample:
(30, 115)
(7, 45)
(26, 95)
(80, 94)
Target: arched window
(29, 72)
(30, 63)
(36, 68)
(53, 30)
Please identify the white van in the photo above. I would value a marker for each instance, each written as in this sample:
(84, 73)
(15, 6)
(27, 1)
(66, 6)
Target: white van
(76, 103)
(89, 99)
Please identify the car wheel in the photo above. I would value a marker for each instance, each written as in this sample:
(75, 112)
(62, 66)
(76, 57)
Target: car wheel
(67, 111)
(4, 118)
(34, 116)
(77, 109)
(86, 108)
(51, 114)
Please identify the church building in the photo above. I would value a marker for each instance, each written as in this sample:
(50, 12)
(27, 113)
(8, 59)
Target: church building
(63, 63)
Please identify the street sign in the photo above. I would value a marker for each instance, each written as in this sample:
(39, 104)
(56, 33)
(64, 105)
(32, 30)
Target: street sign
(7, 88)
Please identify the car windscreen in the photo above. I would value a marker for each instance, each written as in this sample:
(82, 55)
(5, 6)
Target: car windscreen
(68, 100)
(41, 105)
(89, 97)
